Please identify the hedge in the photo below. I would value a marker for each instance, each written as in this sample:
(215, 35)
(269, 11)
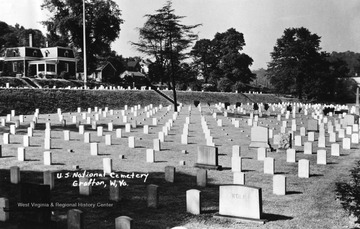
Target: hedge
(25, 101)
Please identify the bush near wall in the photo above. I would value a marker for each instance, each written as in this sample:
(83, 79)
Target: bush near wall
(13, 82)
(25, 101)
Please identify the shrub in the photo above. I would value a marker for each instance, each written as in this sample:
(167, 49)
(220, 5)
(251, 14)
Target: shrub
(239, 86)
(64, 75)
(25, 101)
(224, 85)
(209, 87)
(227, 104)
(266, 106)
(196, 103)
(195, 86)
(349, 193)
(31, 72)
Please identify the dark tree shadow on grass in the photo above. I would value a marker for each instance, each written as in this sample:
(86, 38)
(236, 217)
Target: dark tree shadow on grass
(275, 217)
(172, 200)
(292, 192)
(316, 175)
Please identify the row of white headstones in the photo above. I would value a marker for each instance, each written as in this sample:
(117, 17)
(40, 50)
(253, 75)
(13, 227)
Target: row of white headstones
(348, 133)
(107, 162)
(235, 163)
(87, 138)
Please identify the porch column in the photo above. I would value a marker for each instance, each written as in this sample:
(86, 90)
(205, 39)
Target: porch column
(24, 69)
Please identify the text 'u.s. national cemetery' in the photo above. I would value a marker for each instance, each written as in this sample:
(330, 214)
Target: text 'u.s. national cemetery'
(243, 158)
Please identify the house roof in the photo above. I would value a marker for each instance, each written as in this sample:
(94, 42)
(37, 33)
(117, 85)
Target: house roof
(132, 74)
(357, 80)
(33, 53)
(132, 63)
(102, 66)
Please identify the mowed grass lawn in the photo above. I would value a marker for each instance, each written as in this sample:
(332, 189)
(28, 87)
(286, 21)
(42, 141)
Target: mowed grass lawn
(309, 203)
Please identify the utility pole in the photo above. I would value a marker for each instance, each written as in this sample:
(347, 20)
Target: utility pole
(84, 44)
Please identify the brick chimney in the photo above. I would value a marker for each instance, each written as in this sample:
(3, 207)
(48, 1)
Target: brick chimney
(30, 40)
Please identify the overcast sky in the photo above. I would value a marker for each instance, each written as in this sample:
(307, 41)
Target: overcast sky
(337, 22)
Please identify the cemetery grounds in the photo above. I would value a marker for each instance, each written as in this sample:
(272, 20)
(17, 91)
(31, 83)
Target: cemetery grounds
(309, 202)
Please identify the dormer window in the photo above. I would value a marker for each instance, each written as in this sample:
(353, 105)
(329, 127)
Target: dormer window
(14, 53)
(47, 53)
(66, 53)
(34, 53)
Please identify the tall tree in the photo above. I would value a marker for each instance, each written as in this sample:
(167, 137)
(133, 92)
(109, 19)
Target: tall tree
(221, 61)
(102, 25)
(297, 64)
(165, 40)
(352, 60)
(19, 36)
(204, 57)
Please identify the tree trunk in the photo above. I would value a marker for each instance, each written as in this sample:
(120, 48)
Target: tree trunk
(174, 92)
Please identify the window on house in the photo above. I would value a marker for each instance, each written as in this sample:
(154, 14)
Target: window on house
(41, 67)
(50, 67)
(14, 65)
(47, 53)
(14, 53)
(66, 53)
(35, 53)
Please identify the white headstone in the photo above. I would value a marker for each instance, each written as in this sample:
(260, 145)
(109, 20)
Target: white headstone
(66, 135)
(240, 201)
(108, 140)
(131, 142)
(335, 149)
(308, 148)
(261, 153)
(304, 168)
(239, 178)
(87, 137)
(47, 143)
(94, 148)
(21, 154)
(291, 155)
(321, 157)
(107, 166)
(236, 164)
(279, 185)
(99, 131)
(118, 133)
(26, 141)
(346, 143)
(47, 158)
(269, 165)
(157, 145)
(311, 136)
(150, 155)
(193, 201)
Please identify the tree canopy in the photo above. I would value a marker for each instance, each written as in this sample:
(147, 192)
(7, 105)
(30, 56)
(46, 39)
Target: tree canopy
(351, 59)
(16, 36)
(165, 41)
(221, 62)
(299, 67)
(295, 62)
(103, 20)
